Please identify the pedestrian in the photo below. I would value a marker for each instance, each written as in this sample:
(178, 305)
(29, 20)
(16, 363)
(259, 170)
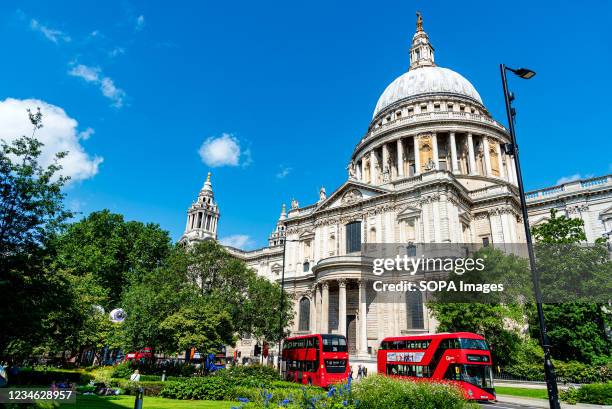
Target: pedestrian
(359, 372)
(350, 372)
(365, 371)
(135, 376)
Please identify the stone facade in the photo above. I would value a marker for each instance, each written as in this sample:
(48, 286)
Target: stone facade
(431, 168)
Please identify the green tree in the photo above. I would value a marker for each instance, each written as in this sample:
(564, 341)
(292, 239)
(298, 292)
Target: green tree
(114, 252)
(497, 317)
(201, 297)
(577, 278)
(31, 211)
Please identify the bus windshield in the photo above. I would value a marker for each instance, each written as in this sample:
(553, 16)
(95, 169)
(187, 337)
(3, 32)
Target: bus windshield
(478, 375)
(467, 343)
(334, 343)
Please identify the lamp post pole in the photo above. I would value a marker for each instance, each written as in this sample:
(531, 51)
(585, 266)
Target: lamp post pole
(551, 381)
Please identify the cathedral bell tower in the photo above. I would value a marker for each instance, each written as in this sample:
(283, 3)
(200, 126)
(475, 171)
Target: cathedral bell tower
(202, 216)
(421, 52)
(278, 235)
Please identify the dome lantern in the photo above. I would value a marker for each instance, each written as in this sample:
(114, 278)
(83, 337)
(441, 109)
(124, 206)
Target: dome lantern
(421, 52)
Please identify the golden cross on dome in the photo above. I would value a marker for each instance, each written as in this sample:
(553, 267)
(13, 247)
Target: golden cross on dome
(419, 23)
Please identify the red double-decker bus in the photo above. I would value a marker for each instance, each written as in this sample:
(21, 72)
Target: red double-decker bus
(460, 358)
(317, 359)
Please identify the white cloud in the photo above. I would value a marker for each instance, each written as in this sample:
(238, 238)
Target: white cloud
(239, 241)
(283, 172)
(86, 134)
(223, 150)
(59, 133)
(51, 34)
(106, 84)
(115, 52)
(140, 22)
(572, 178)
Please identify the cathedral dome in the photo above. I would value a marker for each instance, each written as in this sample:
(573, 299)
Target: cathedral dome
(426, 80)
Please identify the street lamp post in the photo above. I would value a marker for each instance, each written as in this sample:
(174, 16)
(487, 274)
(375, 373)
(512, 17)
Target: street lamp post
(282, 304)
(551, 381)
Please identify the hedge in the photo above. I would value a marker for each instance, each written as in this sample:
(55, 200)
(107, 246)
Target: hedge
(596, 393)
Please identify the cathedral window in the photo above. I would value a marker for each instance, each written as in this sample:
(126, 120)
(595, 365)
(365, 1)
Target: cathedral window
(304, 314)
(414, 307)
(398, 114)
(462, 108)
(485, 241)
(449, 107)
(353, 237)
(436, 107)
(372, 235)
(423, 108)
(410, 110)
(306, 266)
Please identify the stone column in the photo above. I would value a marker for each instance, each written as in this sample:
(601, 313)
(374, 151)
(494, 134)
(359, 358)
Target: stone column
(487, 156)
(325, 308)
(500, 160)
(417, 158)
(453, 149)
(400, 158)
(363, 173)
(434, 143)
(318, 307)
(363, 323)
(385, 161)
(342, 306)
(373, 163)
(313, 311)
(472, 158)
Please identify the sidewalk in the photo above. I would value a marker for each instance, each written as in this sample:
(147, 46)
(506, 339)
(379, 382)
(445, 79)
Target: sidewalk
(543, 403)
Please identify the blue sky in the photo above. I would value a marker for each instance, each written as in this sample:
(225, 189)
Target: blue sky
(292, 85)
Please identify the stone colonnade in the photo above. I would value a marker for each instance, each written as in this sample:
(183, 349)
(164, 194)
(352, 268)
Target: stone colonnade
(460, 153)
(321, 307)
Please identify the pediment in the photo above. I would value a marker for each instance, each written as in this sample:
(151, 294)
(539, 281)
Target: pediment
(306, 234)
(538, 221)
(606, 214)
(349, 193)
(409, 212)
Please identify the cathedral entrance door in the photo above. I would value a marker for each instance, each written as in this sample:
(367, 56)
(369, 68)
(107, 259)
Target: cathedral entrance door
(351, 333)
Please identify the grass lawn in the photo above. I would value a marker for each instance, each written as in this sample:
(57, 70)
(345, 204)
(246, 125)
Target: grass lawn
(524, 392)
(149, 402)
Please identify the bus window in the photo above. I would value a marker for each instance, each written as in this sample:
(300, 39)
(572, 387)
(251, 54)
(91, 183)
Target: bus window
(334, 343)
(467, 343)
(478, 375)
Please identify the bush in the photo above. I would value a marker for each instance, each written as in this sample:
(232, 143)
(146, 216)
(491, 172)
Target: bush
(123, 370)
(201, 388)
(381, 392)
(265, 373)
(574, 372)
(596, 393)
(151, 388)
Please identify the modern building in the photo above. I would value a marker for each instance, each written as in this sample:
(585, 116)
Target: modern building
(431, 168)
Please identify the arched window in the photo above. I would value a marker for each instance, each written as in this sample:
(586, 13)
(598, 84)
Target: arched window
(414, 308)
(304, 314)
(372, 235)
